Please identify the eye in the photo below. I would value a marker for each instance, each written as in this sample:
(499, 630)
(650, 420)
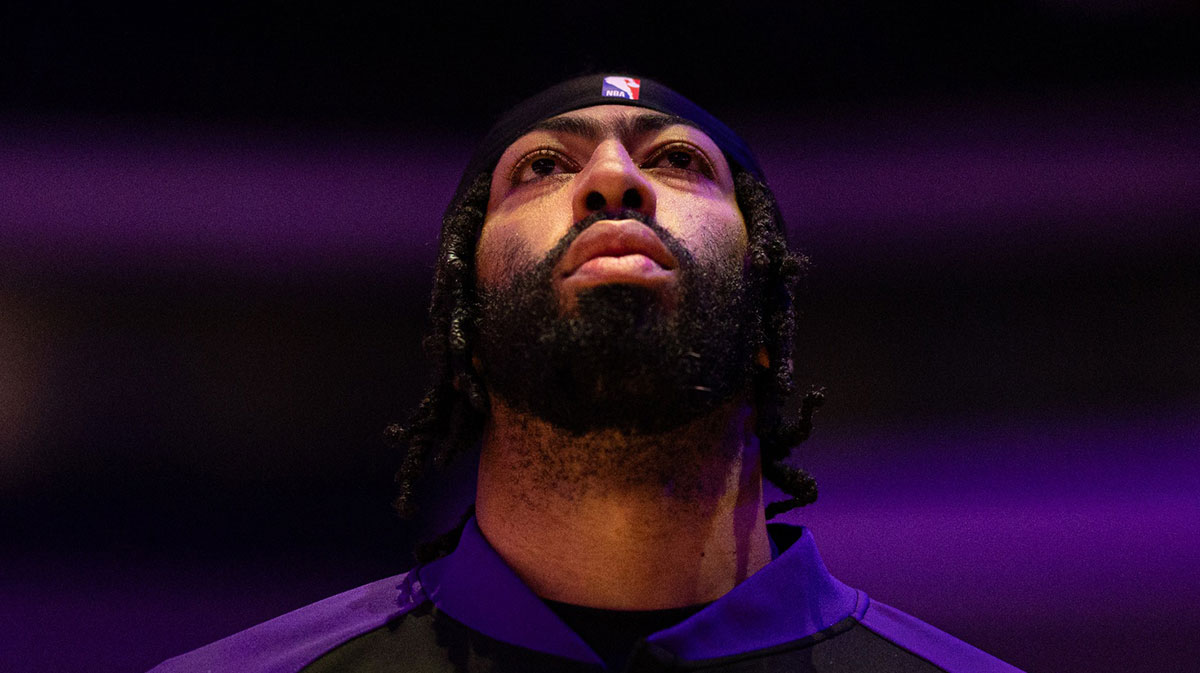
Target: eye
(681, 157)
(540, 164)
(543, 166)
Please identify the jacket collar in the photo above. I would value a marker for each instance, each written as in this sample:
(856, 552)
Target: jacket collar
(792, 597)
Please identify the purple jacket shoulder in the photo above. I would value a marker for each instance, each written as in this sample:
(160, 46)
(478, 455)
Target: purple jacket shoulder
(935, 646)
(288, 643)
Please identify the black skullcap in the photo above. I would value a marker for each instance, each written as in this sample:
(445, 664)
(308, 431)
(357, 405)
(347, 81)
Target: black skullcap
(592, 90)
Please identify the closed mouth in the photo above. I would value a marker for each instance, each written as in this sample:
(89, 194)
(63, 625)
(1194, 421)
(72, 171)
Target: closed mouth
(631, 244)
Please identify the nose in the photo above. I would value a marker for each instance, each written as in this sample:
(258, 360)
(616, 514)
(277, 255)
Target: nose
(612, 181)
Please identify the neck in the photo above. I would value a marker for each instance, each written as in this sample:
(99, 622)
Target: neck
(621, 521)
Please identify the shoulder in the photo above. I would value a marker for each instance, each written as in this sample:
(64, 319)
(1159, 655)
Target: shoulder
(931, 644)
(287, 643)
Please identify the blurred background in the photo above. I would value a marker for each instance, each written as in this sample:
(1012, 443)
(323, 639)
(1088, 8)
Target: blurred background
(218, 225)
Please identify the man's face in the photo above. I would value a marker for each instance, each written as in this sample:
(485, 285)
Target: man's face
(611, 274)
(606, 159)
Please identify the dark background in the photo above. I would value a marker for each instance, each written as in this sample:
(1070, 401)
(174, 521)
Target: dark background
(218, 222)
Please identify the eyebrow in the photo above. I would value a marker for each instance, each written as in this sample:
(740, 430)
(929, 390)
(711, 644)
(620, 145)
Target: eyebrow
(625, 128)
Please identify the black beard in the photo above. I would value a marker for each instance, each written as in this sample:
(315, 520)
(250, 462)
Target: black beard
(624, 358)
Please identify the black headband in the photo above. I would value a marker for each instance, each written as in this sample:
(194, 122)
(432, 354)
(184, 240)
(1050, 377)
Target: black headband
(592, 90)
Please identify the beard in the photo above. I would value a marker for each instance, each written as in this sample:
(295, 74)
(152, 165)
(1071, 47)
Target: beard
(625, 357)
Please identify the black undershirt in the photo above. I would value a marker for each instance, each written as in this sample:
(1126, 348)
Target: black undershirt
(613, 633)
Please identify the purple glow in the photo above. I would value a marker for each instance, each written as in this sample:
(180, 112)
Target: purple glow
(93, 190)
(93, 193)
(1013, 531)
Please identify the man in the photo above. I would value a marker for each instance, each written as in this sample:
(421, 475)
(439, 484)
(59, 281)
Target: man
(612, 321)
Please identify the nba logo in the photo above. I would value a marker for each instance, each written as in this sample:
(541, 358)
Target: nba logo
(621, 87)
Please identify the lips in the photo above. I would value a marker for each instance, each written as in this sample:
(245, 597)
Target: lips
(617, 246)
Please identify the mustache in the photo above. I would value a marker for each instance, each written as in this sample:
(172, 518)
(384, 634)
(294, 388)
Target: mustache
(555, 254)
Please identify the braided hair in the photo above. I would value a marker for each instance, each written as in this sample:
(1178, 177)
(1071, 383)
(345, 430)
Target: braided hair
(449, 420)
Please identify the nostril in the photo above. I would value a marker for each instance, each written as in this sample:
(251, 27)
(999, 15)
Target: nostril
(594, 201)
(632, 198)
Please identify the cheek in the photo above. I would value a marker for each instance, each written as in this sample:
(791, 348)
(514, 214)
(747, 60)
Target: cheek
(498, 255)
(514, 241)
(716, 232)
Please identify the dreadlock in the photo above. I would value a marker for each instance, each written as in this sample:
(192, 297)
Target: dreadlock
(450, 419)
